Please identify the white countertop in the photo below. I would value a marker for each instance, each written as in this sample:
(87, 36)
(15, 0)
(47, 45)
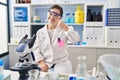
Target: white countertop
(14, 75)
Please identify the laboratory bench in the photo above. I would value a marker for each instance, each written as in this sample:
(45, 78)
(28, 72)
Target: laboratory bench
(14, 75)
(91, 52)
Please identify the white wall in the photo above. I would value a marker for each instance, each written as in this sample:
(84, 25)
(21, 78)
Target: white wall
(3, 28)
(113, 3)
(87, 0)
(110, 3)
(71, 1)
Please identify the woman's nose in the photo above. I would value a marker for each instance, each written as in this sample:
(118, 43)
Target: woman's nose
(50, 17)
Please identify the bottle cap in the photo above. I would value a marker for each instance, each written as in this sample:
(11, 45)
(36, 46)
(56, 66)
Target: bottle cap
(1, 63)
(72, 78)
(78, 7)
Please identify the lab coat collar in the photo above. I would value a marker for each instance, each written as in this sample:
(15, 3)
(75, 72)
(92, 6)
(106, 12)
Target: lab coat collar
(55, 34)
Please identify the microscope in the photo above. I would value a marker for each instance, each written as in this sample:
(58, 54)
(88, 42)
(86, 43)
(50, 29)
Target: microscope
(26, 57)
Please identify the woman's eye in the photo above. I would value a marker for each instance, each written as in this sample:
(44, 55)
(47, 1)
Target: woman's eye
(55, 15)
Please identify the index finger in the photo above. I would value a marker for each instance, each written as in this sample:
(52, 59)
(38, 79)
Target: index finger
(59, 21)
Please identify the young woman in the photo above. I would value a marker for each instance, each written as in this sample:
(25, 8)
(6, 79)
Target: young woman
(50, 47)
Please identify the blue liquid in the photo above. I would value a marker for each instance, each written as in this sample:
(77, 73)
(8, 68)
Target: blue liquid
(81, 78)
(69, 20)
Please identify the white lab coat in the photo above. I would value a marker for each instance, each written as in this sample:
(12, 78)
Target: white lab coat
(44, 50)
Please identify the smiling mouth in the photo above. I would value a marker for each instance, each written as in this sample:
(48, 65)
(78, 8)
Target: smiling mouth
(52, 20)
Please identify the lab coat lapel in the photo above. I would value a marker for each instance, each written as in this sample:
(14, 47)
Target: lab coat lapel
(46, 37)
(46, 45)
(56, 34)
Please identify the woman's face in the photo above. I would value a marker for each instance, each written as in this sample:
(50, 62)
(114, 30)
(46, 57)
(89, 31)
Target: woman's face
(53, 16)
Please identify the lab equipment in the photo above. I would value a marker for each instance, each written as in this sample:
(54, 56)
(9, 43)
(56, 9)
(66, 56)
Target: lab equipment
(68, 18)
(111, 65)
(81, 69)
(94, 16)
(26, 57)
(72, 78)
(1, 69)
(79, 15)
(99, 17)
(24, 49)
(89, 15)
(34, 74)
(36, 19)
(72, 18)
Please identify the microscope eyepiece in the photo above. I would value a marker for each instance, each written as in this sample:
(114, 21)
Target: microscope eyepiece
(23, 40)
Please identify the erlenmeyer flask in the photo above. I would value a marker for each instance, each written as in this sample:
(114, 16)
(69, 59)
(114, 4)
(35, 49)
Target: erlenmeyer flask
(34, 74)
(81, 68)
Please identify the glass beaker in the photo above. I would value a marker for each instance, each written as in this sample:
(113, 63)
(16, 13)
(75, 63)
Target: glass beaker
(81, 69)
(34, 74)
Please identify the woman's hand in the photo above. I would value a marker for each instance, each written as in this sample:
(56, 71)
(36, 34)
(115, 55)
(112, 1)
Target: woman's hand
(43, 66)
(62, 25)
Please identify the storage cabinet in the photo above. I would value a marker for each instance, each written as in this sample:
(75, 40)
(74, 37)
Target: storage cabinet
(41, 12)
(20, 22)
(113, 27)
(94, 32)
(113, 37)
(91, 32)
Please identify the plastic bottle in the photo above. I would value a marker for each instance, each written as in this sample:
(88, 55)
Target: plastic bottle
(94, 16)
(89, 15)
(68, 18)
(1, 69)
(99, 17)
(79, 15)
(73, 18)
(81, 68)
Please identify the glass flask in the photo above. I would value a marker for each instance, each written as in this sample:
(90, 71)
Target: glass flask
(81, 69)
(34, 74)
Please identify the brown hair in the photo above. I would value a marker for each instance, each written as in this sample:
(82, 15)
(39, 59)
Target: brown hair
(57, 7)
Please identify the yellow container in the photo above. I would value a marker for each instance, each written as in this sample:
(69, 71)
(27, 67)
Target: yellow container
(79, 15)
